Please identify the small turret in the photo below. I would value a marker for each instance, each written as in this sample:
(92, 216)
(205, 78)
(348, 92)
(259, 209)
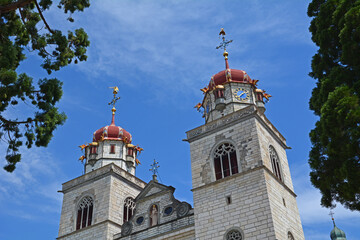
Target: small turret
(111, 144)
(336, 233)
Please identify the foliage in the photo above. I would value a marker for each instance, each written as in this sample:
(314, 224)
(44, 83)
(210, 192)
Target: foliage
(335, 155)
(22, 31)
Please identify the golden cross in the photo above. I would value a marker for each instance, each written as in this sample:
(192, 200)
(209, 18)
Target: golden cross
(224, 42)
(115, 99)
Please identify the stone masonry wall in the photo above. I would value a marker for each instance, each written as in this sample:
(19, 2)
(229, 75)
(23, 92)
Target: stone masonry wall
(98, 231)
(249, 209)
(108, 186)
(282, 200)
(252, 134)
(242, 133)
(119, 192)
(99, 190)
(284, 209)
(265, 140)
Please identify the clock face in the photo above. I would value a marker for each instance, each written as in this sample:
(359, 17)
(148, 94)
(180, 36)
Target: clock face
(241, 94)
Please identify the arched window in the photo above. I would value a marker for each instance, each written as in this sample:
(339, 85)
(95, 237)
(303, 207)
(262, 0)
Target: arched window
(225, 161)
(275, 162)
(129, 206)
(84, 213)
(290, 236)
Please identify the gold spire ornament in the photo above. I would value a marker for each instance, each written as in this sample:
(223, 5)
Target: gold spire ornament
(113, 102)
(223, 45)
(115, 99)
(222, 32)
(331, 213)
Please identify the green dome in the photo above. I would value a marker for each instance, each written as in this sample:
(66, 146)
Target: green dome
(337, 234)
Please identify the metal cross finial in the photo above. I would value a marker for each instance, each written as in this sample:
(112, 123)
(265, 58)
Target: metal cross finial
(115, 99)
(224, 43)
(332, 216)
(154, 169)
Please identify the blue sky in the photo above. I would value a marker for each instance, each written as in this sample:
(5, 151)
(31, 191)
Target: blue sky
(159, 54)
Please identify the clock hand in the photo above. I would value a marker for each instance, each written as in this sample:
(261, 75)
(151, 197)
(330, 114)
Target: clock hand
(241, 94)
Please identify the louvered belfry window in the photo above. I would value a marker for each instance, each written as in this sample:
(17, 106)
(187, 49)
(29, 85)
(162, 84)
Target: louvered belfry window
(129, 207)
(84, 213)
(225, 161)
(275, 162)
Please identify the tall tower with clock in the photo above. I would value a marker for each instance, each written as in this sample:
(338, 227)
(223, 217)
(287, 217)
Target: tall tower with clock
(240, 174)
(242, 187)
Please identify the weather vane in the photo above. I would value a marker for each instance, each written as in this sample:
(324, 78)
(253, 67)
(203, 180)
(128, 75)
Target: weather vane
(154, 169)
(115, 99)
(224, 41)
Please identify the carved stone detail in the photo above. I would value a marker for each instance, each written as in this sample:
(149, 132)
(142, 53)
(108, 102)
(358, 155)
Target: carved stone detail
(126, 229)
(220, 122)
(206, 173)
(183, 209)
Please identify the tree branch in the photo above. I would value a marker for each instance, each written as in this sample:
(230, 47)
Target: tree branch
(49, 54)
(10, 139)
(15, 122)
(22, 16)
(42, 17)
(13, 6)
(22, 3)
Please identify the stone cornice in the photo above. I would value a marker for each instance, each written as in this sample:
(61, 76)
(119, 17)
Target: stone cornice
(220, 123)
(110, 169)
(271, 128)
(233, 118)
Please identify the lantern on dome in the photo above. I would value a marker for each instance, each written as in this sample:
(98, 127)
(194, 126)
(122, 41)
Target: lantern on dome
(130, 154)
(260, 100)
(130, 150)
(93, 149)
(219, 98)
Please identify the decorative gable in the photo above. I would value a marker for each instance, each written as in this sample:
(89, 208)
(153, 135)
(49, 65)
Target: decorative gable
(153, 188)
(156, 207)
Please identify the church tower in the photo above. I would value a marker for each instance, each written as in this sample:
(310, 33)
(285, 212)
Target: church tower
(240, 174)
(96, 204)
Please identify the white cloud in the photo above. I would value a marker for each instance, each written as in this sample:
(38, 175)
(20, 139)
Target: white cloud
(30, 188)
(167, 42)
(282, 21)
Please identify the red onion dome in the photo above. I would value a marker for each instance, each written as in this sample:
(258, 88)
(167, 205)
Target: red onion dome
(229, 75)
(112, 132)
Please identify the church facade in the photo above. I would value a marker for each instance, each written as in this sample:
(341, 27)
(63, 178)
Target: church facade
(242, 187)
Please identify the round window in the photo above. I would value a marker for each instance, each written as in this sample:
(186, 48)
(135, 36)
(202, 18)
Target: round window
(140, 220)
(234, 235)
(168, 210)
